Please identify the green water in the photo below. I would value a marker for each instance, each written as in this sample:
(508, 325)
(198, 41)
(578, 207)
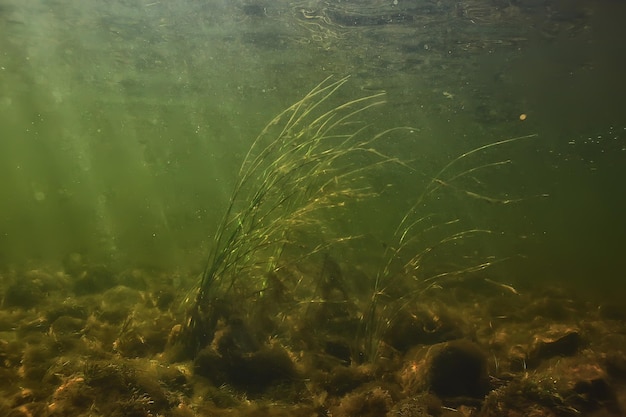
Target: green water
(123, 123)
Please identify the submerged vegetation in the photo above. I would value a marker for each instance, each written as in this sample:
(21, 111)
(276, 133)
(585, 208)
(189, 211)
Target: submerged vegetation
(304, 174)
(306, 161)
(403, 277)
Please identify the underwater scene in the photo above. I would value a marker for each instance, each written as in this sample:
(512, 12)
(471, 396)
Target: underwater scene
(401, 208)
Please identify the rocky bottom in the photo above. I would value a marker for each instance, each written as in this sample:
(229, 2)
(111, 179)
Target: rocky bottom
(99, 343)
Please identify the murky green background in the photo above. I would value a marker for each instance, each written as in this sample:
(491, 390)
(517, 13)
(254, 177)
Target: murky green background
(123, 123)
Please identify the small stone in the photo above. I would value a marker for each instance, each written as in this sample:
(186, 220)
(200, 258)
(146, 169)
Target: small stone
(557, 340)
(452, 369)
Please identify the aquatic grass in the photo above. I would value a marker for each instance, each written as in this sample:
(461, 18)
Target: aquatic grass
(309, 164)
(421, 234)
(311, 158)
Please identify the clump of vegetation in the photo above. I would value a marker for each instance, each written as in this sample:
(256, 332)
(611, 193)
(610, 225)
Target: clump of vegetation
(306, 167)
(422, 233)
(308, 159)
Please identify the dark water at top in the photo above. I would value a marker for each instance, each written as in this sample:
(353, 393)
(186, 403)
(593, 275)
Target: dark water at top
(123, 123)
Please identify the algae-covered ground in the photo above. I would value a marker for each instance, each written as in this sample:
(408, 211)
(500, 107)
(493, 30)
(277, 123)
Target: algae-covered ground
(90, 341)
